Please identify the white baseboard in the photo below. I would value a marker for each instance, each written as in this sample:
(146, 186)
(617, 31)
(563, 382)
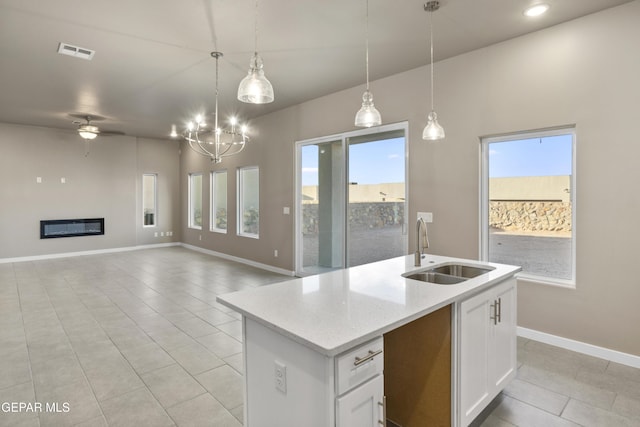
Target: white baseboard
(240, 260)
(581, 347)
(158, 245)
(83, 253)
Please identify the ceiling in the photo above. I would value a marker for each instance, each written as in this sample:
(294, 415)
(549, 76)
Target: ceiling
(152, 67)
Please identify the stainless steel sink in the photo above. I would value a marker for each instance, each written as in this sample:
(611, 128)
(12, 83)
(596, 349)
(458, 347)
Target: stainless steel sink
(460, 270)
(448, 274)
(438, 278)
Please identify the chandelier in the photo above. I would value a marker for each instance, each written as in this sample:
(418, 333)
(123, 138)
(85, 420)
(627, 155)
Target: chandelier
(216, 143)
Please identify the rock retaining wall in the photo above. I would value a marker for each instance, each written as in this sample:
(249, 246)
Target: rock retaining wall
(361, 215)
(530, 216)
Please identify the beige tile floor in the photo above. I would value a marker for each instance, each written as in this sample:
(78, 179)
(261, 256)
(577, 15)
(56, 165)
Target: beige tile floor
(137, 339)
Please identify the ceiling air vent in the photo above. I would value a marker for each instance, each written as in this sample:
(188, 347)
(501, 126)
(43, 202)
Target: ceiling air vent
(75, 51)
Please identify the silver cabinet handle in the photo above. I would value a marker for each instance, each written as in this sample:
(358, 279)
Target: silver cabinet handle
(499, 314)
(494, 307)
(371, 355)
(384, 411)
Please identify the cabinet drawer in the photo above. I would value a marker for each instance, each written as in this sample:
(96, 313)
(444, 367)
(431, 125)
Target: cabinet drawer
(359, 365)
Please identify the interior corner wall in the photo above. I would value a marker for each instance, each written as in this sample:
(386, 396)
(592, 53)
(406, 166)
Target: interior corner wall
(102, 180)
(582, 72)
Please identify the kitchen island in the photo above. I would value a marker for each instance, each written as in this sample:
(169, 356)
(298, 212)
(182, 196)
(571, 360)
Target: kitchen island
(314, 347)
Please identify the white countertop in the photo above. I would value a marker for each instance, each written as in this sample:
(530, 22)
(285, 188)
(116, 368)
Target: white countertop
(335, 311)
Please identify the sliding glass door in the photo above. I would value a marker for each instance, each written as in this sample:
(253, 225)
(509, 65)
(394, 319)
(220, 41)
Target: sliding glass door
(350, 199)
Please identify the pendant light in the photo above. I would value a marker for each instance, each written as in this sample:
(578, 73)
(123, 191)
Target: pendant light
(255, 88)
(433, 131)
(367, 116)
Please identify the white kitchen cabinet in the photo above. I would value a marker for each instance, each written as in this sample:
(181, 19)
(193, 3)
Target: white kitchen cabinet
(362, 406)
(487, 347)
(314, 390)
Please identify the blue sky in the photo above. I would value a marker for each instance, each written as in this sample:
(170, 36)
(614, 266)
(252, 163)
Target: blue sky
(383, 161)
(369, 163)
(531, 157)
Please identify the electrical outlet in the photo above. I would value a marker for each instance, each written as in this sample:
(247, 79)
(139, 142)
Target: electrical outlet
(280, 371)
(275, 253)
(200, 237)
(427, 216)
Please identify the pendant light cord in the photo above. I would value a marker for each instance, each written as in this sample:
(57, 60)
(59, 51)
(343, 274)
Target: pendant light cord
(366, 36)
(431, 42)
(256, 28)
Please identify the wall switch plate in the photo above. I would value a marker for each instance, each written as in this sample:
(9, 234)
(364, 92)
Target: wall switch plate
(427, 216)
(275, 253)
(280, 372)
(162, 234)
(39, 179)
(63, 180)
(286, 210)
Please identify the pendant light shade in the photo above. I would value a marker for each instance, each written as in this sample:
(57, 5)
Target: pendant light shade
(368, 115)
(432, 131)
(255, 88)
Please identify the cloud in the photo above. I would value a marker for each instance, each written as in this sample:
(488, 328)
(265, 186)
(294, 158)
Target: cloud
(393, 156)
(309, 170)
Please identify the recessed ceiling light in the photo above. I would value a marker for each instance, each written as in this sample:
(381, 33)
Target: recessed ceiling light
(536, 10)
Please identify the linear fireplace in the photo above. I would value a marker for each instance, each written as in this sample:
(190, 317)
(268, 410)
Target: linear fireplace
(52, 229)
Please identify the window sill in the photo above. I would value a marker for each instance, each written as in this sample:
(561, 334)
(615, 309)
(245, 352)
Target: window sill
(251, 236)
(548, 281)
(218, 230)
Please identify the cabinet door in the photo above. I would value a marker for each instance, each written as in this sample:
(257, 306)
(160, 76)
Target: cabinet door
(474, 356)
(503, 351)
(362, 406)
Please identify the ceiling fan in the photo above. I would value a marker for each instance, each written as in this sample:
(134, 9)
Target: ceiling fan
(89, 131)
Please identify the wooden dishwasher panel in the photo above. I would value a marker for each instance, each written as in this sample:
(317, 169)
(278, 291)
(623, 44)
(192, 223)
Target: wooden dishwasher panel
(417, 371)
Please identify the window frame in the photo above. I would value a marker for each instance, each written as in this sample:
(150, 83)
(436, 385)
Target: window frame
(213, 199)
(190, 222)
(240, 202)
(485, 142)
(155, 200)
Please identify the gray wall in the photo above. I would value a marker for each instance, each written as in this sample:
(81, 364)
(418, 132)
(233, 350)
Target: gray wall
(105, 183)
(584, 72)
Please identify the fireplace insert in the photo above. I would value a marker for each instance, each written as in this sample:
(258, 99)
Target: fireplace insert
(55, 228)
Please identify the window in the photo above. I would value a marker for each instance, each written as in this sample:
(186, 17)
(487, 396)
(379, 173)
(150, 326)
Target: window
(351, 198)
(149, 205)
(528, 211)
(219, 201)
(249, 202)
(195, 200)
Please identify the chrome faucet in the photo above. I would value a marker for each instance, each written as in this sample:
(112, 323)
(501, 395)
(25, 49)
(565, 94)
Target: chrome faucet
(421, 231)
